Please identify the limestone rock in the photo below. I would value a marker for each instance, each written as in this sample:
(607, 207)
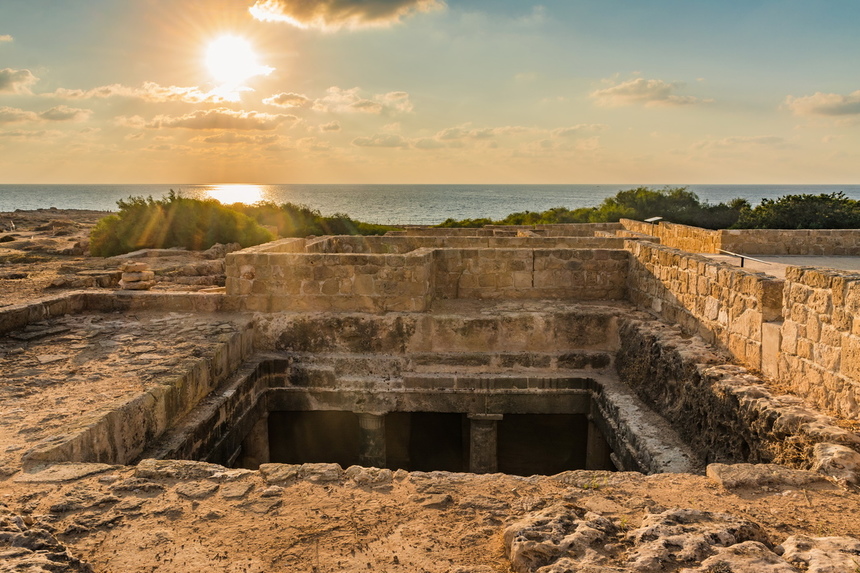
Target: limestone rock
(321, 472)
(368, 476)
(175, 469)
(236, 490)
(837, 461)
(560, 532)
(275, 474)
(196, 490)
(272, 491)
(62, 472)
(746, 557)
(822, 554)
(686, 536)
(758, 475)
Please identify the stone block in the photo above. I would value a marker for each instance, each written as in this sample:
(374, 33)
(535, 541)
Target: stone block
(771, 342)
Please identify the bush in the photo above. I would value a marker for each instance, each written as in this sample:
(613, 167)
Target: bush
(300, 221)
(676, 205)
(173, 221)
(824, 211)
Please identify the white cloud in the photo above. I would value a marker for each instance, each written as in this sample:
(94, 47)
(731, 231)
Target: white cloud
(150, 92)
(5, 38)
(288, 100)
(227, 138)
(59, 113)
(330, 126)
(742, 142)
(15, 115)
(646, 92)
(16, 81)
(578, 130)
(65, 113)
(381, 140)
(337, 14)
(825, 104)
(223, 118)
(351, 100)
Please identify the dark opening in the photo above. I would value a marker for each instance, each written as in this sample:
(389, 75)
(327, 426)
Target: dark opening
(427, 441)
(542, 443)
(313, 437)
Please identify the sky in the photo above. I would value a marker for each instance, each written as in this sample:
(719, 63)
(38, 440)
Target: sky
(430, 91)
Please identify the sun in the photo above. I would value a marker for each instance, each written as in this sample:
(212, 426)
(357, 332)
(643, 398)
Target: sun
(232, 61)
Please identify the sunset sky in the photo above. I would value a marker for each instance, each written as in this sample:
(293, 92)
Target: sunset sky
(426, 91)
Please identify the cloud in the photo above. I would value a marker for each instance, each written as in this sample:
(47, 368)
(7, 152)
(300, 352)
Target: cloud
(288, 100)
(742, 142)
(223, 118)
(330, 126)
(337, 14)
(231, 138)
(133, 121)
(825, 104)
(650, 93)
(15, 115)
(16, 81)
(65, 113)
(150, 92)
(351, 101)
(59, 113)
(5, 38)
(578, 130)
(48, 135)
(381, 140)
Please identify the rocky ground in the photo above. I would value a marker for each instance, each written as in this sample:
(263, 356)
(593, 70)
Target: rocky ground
(170, 516)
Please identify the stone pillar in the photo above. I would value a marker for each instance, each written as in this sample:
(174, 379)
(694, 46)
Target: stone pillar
(597, 450)
(255, 446)
(371, 440)
(483, 443)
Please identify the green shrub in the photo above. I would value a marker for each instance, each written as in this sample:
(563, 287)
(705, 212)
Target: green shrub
(301, 221)
(824, 211)
(173, 221)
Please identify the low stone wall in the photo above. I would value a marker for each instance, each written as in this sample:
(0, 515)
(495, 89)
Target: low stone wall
(557, 230)
(723, 412)
(834, 242)
(404, 244)
(684, 237)
(574, 274)
(791, 241)
(723, 304)
(284, 280)
(820, 338)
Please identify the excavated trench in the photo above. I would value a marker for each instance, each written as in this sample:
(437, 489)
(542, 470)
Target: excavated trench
(514, 391)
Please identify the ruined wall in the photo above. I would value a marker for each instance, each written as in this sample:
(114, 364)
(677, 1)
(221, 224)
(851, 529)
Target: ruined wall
(576, 274)
(752, 241)
(820, 338)
(558, 230)
(273, 282)
(725, 305)
(791, 242)
(723, 412)
(684, 237)
(405, 244)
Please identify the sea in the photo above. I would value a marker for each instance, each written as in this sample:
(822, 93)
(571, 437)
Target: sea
(387, 204)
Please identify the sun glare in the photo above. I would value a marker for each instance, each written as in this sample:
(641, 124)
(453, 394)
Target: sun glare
(229, 194)
(231, 61)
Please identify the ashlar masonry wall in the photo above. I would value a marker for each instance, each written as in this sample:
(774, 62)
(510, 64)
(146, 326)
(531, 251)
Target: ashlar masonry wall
(820, 338)
(283, 276)
(725, 305)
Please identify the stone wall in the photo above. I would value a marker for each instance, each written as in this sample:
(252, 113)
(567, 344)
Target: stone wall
(752, 241)
(791, 241)
(820, 338)
(724, 412)
(563, 230)
(327, 279)
(724, 304)
(404, 244)
(575, 274)
(684, 237)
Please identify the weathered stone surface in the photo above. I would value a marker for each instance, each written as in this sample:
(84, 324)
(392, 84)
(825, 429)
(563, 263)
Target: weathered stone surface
(757, 475)
(822, 554)
(279, 474)
(686, 536)
(561, 531)
(196, 490)
(62, 472)
(175, 469)
(837, 461)
(746, 557)
(321, 472)
(368, 476)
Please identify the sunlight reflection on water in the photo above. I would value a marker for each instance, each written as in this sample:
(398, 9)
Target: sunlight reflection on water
(236, 193)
